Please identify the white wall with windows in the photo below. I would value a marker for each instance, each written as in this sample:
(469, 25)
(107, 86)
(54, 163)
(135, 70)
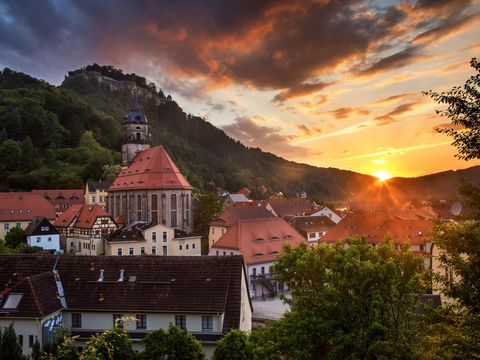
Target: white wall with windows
(48, 242)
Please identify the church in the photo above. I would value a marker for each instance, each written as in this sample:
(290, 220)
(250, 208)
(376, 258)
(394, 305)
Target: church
(150, 188)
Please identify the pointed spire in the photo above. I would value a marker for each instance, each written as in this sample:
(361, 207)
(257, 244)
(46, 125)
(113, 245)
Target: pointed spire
(134, 98)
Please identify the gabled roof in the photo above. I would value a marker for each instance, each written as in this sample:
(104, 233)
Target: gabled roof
(238, 198)
(245, 211)
(173, 284)
(375, 225)
(54, 195)
(291, 206)
(38, 295)
(24, 206)
(100, 185)
(82, 216)
(151, 169)
(259, 240)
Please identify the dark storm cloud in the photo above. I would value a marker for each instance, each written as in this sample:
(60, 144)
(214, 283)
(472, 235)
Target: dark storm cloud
(290, 46)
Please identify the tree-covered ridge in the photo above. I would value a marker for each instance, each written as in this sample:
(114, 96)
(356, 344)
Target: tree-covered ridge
(50, 138)
(117, 74)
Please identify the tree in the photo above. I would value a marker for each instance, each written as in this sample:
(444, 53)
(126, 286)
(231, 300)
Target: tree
(62, 348)
(14, 237)
(175, 344)
(10, 348)
(207, 208)
(234, 346)
(112, 344)
(36, 350)
(352, 301)
(463, 110)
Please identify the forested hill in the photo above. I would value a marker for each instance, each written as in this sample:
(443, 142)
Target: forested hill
(58, 137)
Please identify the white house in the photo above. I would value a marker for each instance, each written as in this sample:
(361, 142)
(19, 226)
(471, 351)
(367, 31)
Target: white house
(43, 234)
(325, 211)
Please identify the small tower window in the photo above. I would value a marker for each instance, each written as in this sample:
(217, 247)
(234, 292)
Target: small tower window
(138, 136)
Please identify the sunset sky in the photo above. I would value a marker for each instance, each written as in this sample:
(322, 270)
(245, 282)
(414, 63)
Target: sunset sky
(329, 83)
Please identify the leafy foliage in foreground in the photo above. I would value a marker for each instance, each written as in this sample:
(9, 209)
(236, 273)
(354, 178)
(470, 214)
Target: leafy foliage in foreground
(355, 302)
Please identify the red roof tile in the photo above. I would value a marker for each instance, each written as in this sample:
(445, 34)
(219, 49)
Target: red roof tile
(375, 225)
(245, 211)
(24, 206)
(151, 169)
(291, 206)
(259, 240)
(84, 216)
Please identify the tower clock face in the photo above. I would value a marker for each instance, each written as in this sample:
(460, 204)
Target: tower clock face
(139, 147)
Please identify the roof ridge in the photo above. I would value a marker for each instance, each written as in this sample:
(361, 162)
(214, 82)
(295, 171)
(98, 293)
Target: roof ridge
(34, 294)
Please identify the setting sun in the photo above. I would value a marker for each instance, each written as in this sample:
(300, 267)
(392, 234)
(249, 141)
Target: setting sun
(382, 175)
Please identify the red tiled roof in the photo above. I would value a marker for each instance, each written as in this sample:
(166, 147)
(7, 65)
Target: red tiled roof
(182, 284)
(245, 211)
(74, 196)
(291, 206)
(375, 225)
(24, 206)
(259, 240)
(311, 223)
(244, 191)
(83, 215)
(151, 169)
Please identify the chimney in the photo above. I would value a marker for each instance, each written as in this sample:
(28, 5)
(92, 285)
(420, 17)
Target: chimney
(122, 273)
(101, 275)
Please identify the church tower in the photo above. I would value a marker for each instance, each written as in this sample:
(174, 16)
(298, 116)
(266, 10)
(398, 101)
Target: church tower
(136, 137)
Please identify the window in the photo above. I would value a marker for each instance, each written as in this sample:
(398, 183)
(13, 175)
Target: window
(119, 252)
(173, 210)
(154, 207)
(263, 270)
(254, 272)
(154, 236)
(93, 199)
(181, 321)
(17, 225)
(38, 239)
(223, 231)
(142, 250)
(130, 251)
(224, 253)
(164, 236)
(164, 251)
(6, 227)
(117, 320)
(186, 246)
(154, 250)
(20, 340)
(141, 321)
(422, 247)
(76, 320)
(193, 246)
(49, 239)
(180, 247)
(30, 341)
(213, 230)
(207, 323)
(217, 253)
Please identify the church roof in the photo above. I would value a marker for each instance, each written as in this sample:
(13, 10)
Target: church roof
(151, 169)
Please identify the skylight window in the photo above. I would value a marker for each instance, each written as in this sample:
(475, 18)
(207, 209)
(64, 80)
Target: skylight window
(12, 301)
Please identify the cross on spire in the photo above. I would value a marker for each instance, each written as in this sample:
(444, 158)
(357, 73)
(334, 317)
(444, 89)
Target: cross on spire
(134, 98)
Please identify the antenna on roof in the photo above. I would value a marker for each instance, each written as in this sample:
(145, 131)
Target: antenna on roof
(456, 208)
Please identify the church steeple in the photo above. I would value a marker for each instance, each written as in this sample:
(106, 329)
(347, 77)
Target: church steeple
(136, 137)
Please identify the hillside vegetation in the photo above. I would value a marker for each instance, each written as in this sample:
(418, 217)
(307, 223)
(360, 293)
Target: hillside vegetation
(58, 137)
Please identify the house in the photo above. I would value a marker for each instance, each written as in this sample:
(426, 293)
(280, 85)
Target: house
(232, 199)
(326, 211)
(19, 209)
(82, 228)
(313, 228)
(245, 191)
(376, 225)
(259, 241)
(62, 199)
(96, 192)
(231, 215)
(205, 295)
(40, 232)
(152, 239)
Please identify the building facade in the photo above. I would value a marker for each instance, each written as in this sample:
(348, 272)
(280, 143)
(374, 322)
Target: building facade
(96, 193)
(43, 234)
(82, 228)
(62, 199)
